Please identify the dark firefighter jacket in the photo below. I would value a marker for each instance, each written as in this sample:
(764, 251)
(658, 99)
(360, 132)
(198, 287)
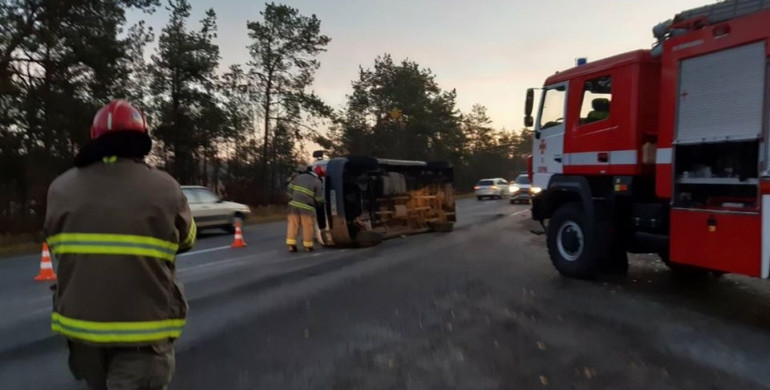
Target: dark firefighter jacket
(115, 228)
(305, 191)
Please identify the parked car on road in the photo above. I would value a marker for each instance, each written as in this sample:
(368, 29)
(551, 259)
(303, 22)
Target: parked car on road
(491, 188)
(521, 189)
(209, 211)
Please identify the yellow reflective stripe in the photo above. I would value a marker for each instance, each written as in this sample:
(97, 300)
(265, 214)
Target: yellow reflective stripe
(301, 189)
(117, 338)
(190, 240)
(117, 331)
(116, 238)
(319, 199)
(110, 250)
(301, 205)
(110, 159)
(118, 326)
(291, 242)
(307, 244)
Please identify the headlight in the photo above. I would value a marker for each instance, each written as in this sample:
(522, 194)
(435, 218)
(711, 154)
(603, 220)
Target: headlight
(536, 190)
(514, 188)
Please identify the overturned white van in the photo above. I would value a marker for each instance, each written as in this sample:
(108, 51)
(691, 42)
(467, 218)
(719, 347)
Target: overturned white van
(368, 200)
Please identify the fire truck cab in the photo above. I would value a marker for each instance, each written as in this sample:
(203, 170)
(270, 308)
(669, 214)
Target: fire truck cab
(661, 151)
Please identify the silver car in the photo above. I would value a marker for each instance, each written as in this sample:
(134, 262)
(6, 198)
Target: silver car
(521, 190)
(209, 211)
(495, 188)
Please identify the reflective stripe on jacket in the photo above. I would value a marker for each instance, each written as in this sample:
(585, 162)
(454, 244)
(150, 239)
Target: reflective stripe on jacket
(305, 190)
(115, 228)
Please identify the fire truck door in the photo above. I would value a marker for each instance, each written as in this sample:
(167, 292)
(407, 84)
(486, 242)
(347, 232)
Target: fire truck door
(548, 147)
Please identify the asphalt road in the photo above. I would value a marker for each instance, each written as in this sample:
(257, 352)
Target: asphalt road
(478, 308)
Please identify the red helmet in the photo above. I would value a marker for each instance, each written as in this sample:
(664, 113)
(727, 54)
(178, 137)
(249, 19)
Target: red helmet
(319, 170)
(118, 115)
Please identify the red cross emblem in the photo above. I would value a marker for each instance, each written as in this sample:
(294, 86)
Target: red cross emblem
(542, 146)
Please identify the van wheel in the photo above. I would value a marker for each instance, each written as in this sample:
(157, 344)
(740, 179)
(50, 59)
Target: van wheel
(442, 227)
(570, 244)
(366, 239)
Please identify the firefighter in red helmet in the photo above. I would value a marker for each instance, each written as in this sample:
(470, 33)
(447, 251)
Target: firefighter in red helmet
(306, 192)
(116, 224)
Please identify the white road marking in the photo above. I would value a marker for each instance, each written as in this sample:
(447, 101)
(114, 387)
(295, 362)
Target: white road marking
(219, 248)
(220, 263)
(225, 263)
(518, 212)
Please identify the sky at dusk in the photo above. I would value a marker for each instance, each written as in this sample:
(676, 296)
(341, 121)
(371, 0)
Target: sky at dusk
(490, 51)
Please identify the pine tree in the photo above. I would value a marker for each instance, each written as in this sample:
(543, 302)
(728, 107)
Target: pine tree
(284, 50)
(184, 79)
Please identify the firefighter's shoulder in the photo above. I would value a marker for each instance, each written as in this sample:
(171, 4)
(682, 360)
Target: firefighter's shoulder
(161, 177)
(66, 177)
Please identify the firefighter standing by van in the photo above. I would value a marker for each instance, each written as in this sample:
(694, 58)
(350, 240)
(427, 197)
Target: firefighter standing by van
(305, 191)
(115, 225)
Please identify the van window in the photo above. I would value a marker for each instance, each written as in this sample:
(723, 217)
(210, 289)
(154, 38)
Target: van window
(597, 96)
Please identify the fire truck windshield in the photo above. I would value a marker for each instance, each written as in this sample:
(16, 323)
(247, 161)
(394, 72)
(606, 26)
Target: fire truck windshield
(552, 112)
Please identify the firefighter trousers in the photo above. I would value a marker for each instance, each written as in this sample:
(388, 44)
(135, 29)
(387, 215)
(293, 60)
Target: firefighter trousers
(148, 367)
(297, 220)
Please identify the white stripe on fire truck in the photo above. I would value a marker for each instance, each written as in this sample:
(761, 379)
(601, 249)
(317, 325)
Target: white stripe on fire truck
(663, 156)
(616, 157)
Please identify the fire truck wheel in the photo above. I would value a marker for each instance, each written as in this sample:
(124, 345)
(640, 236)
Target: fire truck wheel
(570, 244)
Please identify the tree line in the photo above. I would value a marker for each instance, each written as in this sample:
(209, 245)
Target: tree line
(239, 130)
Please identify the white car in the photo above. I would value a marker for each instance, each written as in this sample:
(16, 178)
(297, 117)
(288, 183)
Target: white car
(521, 189)
(209, 211)
(491, 188)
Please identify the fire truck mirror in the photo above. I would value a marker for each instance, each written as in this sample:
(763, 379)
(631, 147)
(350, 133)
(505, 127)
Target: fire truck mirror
(529, 102)
(528, 121)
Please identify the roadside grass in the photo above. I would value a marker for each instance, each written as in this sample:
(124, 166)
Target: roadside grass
(25, 244)
(266, 214)
(19, 244)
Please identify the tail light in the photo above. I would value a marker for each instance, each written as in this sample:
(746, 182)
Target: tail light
(477, 188)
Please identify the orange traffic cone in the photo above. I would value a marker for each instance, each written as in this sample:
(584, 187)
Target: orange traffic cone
(238, 242)
(46, 267)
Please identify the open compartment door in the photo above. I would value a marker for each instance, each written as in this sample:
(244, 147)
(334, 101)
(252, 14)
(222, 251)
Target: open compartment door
(718, 216)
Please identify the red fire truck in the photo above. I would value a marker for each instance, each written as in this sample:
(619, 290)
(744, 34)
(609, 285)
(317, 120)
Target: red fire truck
(661, 151)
